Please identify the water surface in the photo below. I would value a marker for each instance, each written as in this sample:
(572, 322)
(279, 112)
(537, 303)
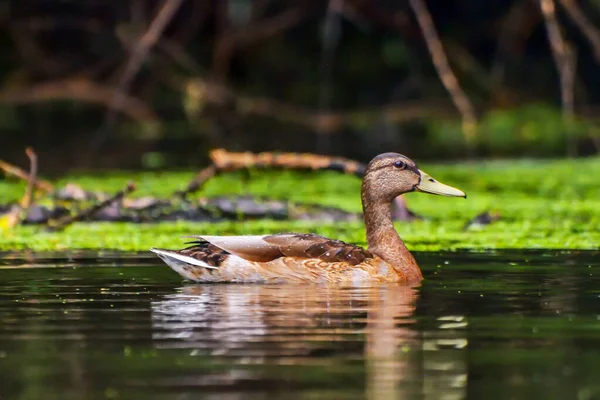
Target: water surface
(500, 325)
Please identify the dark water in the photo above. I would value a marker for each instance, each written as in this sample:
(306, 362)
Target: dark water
(483, 326)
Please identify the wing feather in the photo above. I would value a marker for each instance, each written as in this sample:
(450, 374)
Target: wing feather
(270, 247)
(251, 248)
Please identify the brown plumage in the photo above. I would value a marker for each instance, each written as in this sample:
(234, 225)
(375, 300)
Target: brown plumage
(301, 257)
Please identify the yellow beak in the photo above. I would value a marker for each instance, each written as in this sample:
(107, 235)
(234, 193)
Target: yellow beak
(430, 185)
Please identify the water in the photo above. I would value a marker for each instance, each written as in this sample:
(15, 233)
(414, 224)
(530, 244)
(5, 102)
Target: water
(483, 326)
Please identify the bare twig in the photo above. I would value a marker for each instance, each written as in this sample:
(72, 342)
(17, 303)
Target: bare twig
(440, 61)
(148, 39)
(27, 200)
(19, 212)
(15, 171)
(81, 90)
(564, 57)
(138, 54)
(198, 181)
(589, 30)
(88, 212)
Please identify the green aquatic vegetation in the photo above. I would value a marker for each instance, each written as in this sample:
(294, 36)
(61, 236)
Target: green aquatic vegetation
(543, 204)
(535, 129)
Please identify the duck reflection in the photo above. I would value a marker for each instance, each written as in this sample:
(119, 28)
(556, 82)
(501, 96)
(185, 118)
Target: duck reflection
(299, 325)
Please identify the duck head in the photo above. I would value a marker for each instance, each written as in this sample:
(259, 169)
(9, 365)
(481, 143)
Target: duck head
(391, 174)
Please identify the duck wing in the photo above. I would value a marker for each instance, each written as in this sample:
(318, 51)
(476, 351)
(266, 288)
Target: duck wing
(265, 248)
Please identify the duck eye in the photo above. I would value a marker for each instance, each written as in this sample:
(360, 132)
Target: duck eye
(400, 164)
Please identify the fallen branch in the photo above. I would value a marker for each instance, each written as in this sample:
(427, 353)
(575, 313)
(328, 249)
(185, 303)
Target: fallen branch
(225, 161)
(440, 61)
(61, 223)
(17, 172)
(228, 161)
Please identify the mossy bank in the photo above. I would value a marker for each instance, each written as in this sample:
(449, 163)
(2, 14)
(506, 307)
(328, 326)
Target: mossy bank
(543, 204)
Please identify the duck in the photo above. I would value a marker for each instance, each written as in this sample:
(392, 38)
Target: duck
(310, 258)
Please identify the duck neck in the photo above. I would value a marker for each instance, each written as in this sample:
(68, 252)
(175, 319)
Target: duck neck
(383, 239)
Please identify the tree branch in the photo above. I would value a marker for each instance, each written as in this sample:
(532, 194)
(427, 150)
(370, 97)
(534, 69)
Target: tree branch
(145, 43)
(138, 54)
(80, 90)
(564, 59)
(589, 30)
(440, 61)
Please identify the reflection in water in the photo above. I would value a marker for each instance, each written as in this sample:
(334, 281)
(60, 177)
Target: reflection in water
(122, 328)
(293, 324)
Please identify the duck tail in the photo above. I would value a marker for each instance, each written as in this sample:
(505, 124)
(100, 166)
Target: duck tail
(186, 266)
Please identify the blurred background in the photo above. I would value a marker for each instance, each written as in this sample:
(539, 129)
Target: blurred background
(158, 83)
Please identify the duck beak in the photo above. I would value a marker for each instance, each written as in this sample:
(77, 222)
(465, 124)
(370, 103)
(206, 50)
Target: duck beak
(430, 185)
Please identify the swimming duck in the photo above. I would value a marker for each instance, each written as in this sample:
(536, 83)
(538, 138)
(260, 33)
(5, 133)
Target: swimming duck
(306, 257)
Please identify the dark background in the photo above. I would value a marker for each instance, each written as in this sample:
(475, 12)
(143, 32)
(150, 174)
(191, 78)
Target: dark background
(341, 77)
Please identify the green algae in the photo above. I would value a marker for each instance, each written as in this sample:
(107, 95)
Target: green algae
(543, 204)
